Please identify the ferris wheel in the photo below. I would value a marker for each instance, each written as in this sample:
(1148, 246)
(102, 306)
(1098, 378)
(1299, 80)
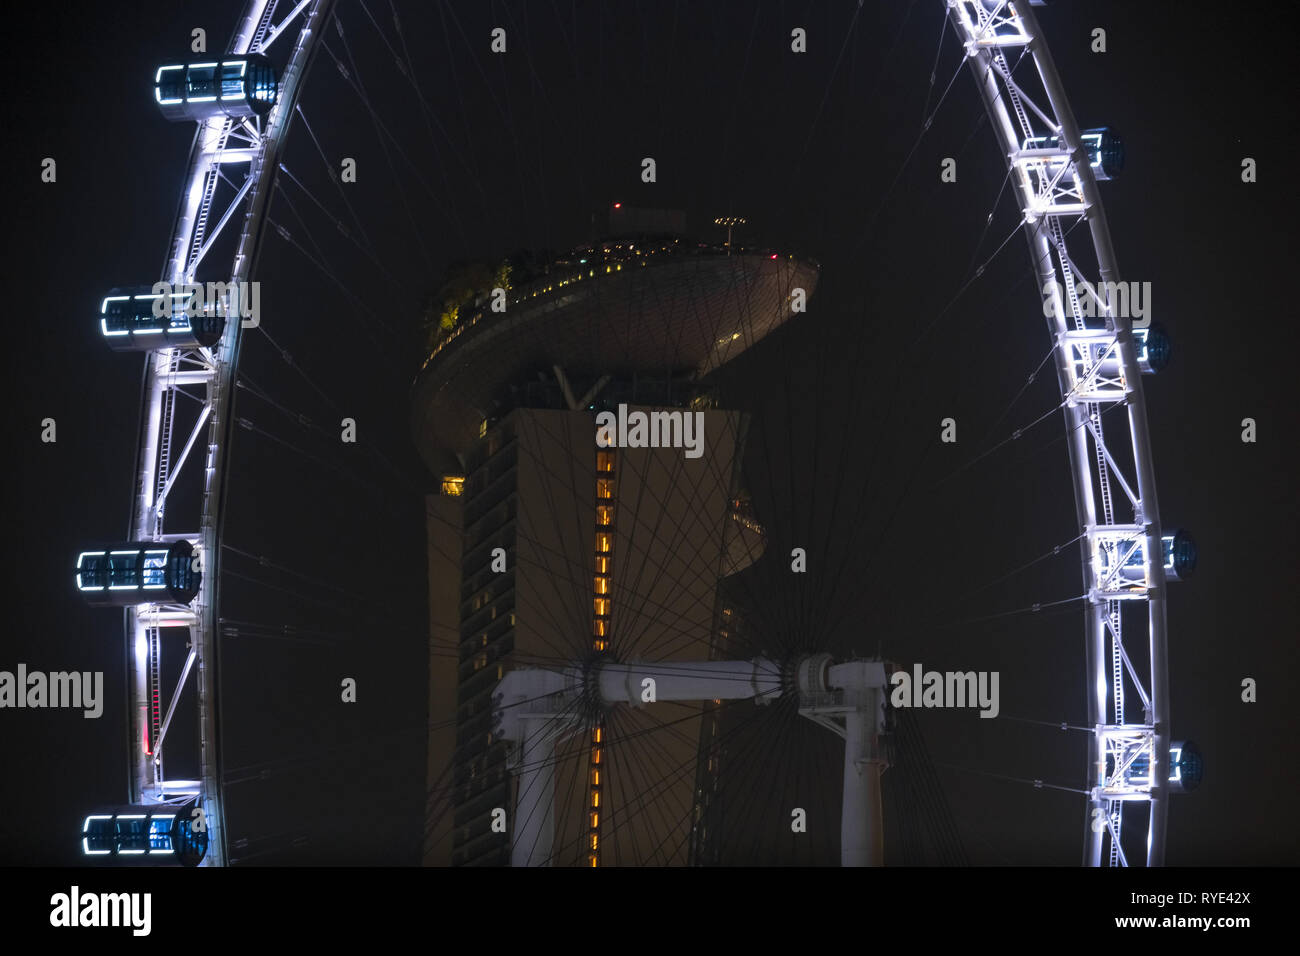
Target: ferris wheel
(245, 102)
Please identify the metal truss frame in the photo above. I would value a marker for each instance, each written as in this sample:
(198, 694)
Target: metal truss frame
(230, 174)
(1098, 369)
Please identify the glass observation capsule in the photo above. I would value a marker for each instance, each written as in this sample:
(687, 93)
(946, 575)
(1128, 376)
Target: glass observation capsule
(237, 86)
(157, 834)
(1103, 145)
(1153, 349)
(139, 572)
(1179, 555)
(1186, 767)
(141, 320)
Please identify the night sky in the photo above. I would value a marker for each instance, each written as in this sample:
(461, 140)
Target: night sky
(526, 151)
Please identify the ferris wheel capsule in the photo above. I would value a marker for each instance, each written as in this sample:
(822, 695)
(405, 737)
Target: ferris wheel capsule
(148, 834)
(1179, 553)
(239, 86)
(1186, 767)
(137, 572)
(141, 320)
(1154, 348)
(1103, 146)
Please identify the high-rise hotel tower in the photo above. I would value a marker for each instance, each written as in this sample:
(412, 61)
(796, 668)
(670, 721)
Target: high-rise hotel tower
(550, 547)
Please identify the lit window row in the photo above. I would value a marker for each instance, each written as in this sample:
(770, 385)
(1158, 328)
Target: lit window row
(600, 604)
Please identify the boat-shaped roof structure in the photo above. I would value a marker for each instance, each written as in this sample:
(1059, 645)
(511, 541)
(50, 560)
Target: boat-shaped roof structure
(661, 307)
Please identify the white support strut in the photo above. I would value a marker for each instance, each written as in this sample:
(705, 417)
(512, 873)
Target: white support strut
(536, 707)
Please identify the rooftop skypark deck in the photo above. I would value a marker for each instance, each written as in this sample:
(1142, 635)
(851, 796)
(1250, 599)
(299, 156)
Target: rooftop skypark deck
(660, 307)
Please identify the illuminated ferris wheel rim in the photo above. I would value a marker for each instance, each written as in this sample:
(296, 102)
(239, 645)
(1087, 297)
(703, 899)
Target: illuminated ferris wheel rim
(227, 138)
(1055, 175)
(1096, 368)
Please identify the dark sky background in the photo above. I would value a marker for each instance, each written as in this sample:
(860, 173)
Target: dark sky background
(527, 151)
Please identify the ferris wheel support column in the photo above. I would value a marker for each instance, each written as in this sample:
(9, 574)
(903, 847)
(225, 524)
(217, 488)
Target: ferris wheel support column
(857, 689)
(533, 835)
(1148, 510)
(535, 708)
(862, 841)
